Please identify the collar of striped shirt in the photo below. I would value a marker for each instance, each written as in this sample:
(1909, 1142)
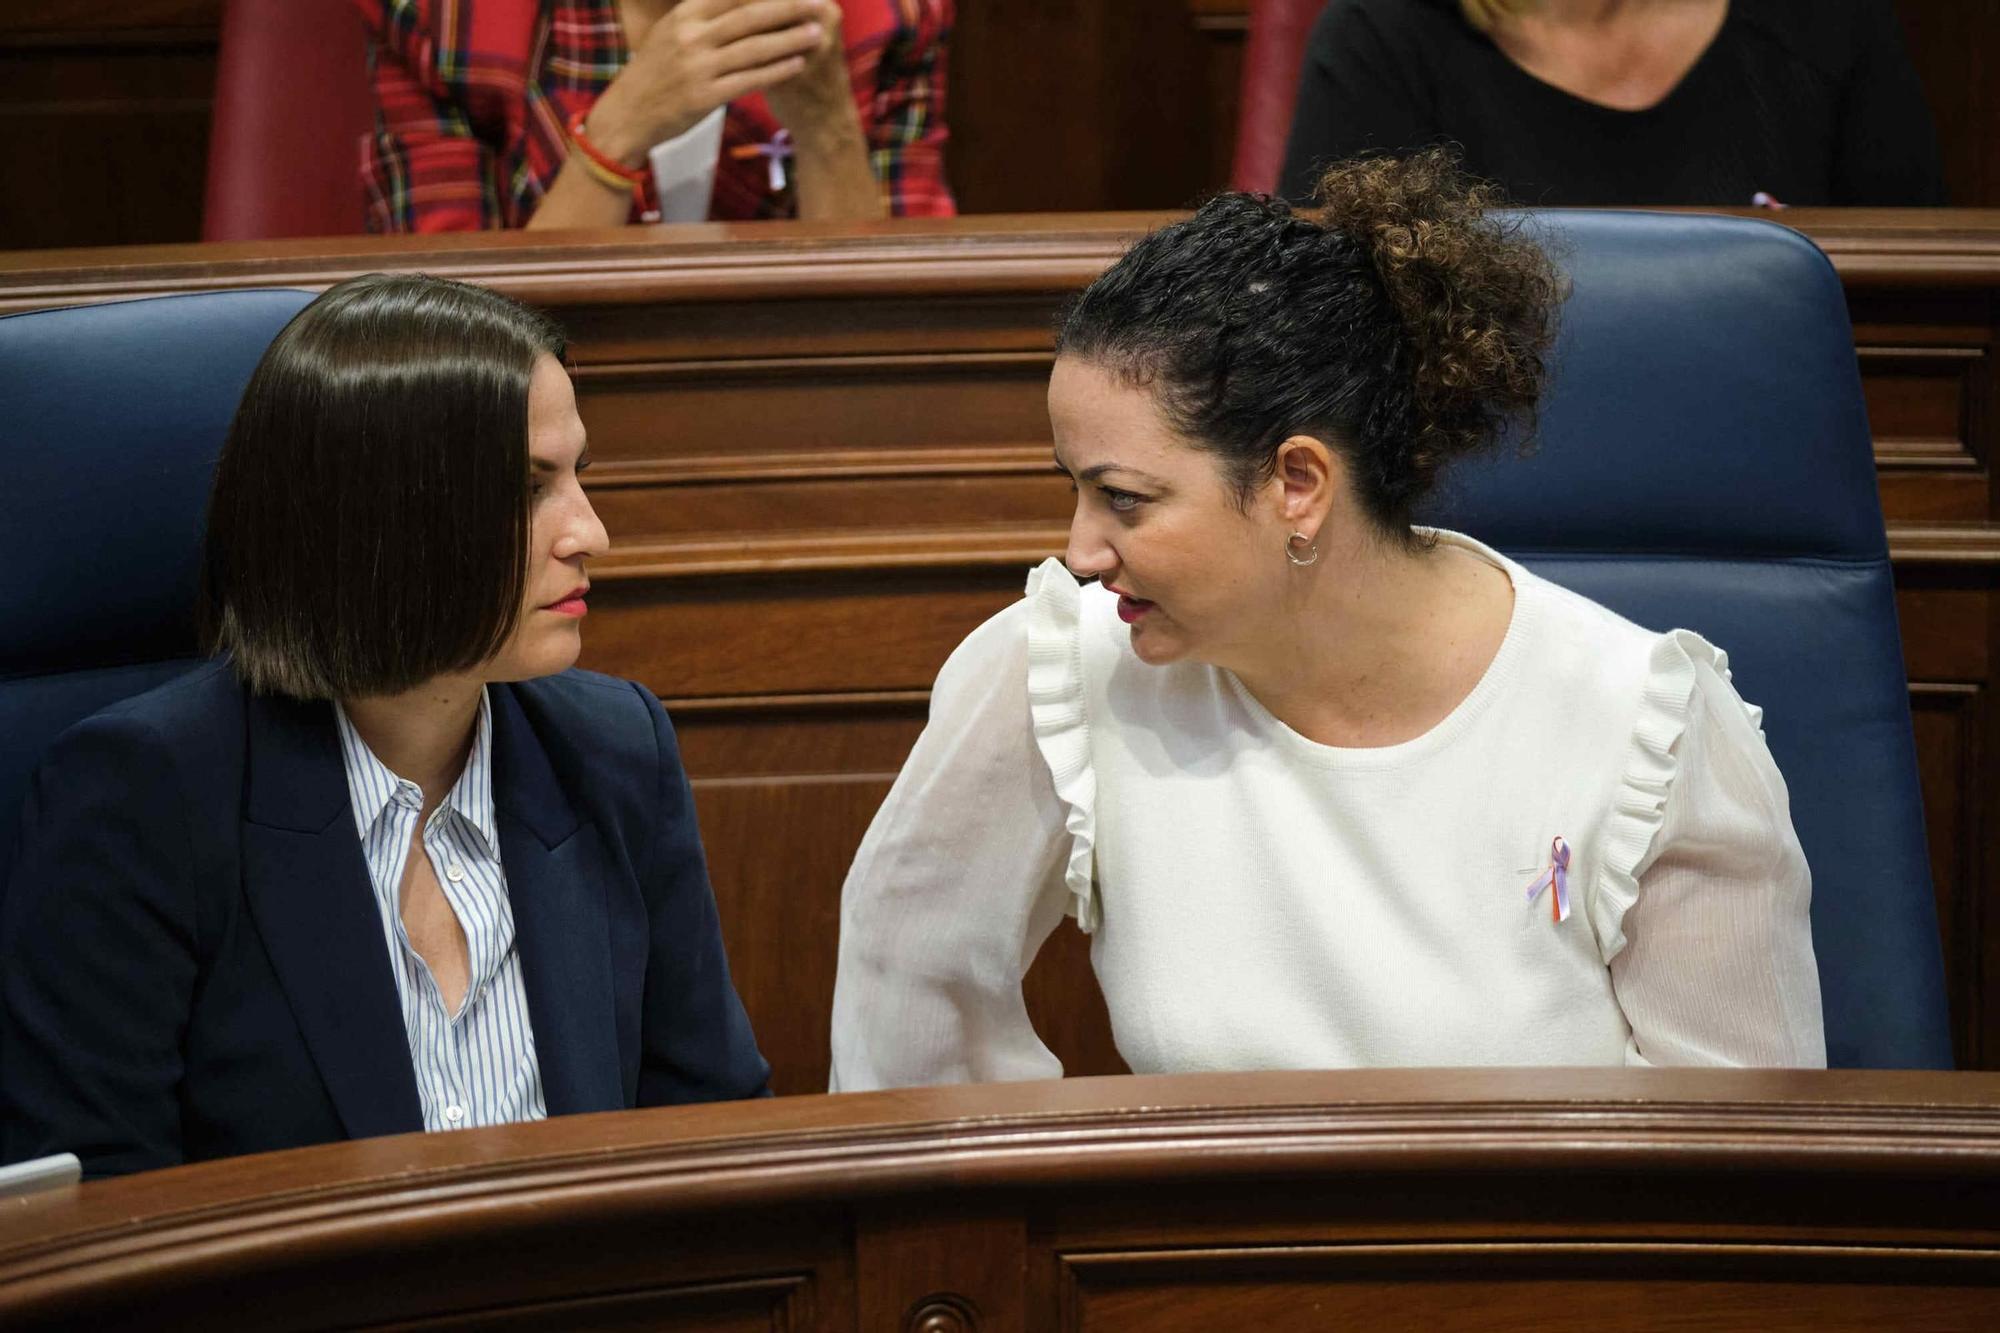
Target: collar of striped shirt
(372, 788)
(477, 1066)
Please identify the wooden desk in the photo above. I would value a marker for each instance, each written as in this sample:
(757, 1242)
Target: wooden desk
(1488, 1200)
(824, 458)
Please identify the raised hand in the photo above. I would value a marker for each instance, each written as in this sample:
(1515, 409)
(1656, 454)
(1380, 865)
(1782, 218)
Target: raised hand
(819, 94)
(702, 54)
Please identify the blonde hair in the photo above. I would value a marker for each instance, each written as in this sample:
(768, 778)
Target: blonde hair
(1483, 14)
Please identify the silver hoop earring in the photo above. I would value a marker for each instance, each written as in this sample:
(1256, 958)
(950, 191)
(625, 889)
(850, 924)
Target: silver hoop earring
(1311, 554)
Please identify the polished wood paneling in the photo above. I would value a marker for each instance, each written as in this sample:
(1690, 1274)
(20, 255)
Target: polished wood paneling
(1078, 104)
(1071, 1019)
(823, 455)
(926, 1273)
(755, 1305)
(1491, 1288)
(1436, 1199)
(33, 19)
(782, 924)
(1951, 43)
(1222, 27)
(104, 115)
(1953, 721)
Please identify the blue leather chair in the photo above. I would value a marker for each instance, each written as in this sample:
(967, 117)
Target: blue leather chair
(1704, 462)
(115, 414)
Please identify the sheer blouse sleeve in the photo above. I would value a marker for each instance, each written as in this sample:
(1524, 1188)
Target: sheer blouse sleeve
(1708, 940)
(957, 884)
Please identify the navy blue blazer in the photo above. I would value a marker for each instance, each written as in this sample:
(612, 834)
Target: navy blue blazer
(191, 957)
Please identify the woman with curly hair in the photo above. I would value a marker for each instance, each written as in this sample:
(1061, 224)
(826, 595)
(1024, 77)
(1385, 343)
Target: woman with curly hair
(1327, 788)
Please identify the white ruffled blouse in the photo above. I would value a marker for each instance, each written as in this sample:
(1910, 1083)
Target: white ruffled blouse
(1257, 900)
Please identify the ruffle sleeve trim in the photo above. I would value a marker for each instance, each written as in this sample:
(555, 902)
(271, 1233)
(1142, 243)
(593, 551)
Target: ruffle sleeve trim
(1062, 722)
(1665, 705)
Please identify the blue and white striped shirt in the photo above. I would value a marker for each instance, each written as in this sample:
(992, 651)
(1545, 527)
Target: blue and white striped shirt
(476, 1067)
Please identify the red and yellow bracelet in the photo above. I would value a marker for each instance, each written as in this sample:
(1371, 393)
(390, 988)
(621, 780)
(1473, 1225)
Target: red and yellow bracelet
(606, 169)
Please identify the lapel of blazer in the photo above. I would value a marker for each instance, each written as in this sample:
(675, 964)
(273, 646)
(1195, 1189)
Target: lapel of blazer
(309, 892)
(558, 873)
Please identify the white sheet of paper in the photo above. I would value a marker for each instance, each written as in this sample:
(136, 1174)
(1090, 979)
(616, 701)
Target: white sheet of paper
(684, 169)
(39, 1174)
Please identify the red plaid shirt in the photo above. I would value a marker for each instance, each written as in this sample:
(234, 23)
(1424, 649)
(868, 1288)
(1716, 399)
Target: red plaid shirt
(472, 98)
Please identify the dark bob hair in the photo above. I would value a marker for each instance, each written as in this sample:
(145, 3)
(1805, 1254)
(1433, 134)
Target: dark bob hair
(368, 528)
(1399, 321)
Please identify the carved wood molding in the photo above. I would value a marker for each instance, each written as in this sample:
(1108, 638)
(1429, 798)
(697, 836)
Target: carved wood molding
(865, 367)
(1228, 20)
(95, 16)
(1946, 429)
(1894, 258)
(91, 23)
(1970, 544)
(943, 1312)
(1007, 460)
(984, 255)
(857, 701)
(1008, 546)
(1083, 1133)
(627, 266)
(1935, 454)
(1544, 1282)
(1973, 545)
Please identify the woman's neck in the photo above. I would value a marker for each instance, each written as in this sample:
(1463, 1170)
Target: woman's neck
(1626, 55)
(422, 735)
(1380, 642)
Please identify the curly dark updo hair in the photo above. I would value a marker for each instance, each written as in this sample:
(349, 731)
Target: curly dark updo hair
(1398, 321)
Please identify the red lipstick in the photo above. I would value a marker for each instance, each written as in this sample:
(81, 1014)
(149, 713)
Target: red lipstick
(1130, 608)
(571, 603)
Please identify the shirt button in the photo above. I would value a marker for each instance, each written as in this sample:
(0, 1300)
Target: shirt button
(454, 1114)
(454, 872)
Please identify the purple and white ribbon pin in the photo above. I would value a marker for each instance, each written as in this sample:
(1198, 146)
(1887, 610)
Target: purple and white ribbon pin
(1558, 875)
(775, 154)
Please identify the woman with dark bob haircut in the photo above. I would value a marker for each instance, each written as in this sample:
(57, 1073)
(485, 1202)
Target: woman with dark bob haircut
(1328, 789)
(388, 864)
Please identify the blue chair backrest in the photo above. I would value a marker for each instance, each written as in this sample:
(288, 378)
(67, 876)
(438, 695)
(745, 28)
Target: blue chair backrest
(1704, 462)
(114, 415)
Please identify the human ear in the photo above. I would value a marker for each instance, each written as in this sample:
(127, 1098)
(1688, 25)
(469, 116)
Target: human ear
(1307, 474)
